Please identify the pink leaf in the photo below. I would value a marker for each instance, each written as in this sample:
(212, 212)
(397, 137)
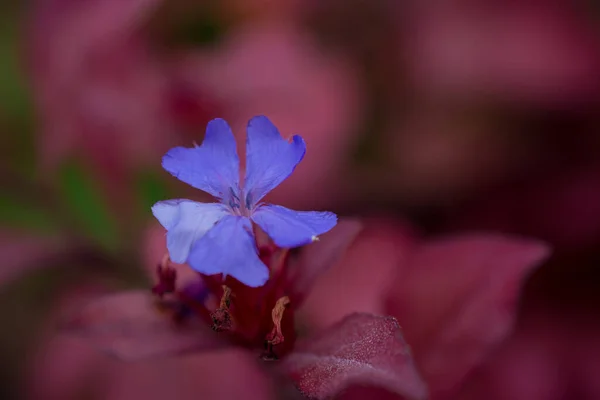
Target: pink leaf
(318, 257)
(362, 349)
(362, 279)
(98, 88)
(134, 325)
(456, 299)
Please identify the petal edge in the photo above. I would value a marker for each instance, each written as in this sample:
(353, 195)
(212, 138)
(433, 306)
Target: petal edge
(213, 166)
(289, 228)
(186, 221)
(230, 248)
(270, 159)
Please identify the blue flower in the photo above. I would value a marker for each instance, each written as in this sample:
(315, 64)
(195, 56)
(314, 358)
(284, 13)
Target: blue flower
(217, 238)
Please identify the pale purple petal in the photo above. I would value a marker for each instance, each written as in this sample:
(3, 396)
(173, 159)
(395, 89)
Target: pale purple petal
(270, 159)
(213, 166)
(289, 228)
(186, 221)
(229, 248)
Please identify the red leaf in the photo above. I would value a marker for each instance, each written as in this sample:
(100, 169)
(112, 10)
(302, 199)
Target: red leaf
(362, 279)
(362, 349)
(135, 325)
(563, 208)
(456, 299)
(318, 257)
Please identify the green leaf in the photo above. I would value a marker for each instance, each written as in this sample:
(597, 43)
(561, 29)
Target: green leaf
(14, 96)
(150, 189)
(85, 202)
(24, 214)
(16, 108)
(193, 25)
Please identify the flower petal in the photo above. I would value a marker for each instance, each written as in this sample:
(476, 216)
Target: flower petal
(270, 159)
(213, 166)
(229, 248)
(289, 228)
(186, 221)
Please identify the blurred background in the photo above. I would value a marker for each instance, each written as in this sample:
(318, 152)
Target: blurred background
(449, 116)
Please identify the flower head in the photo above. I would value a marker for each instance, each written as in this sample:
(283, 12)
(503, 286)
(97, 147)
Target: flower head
(218, 238)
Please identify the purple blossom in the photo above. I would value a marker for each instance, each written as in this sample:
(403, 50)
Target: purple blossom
(216, 238)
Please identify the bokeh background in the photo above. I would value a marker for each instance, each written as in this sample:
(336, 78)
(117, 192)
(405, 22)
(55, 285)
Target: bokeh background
(423, 117)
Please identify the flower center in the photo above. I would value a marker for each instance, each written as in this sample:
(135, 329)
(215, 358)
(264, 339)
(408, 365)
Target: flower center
(236, 205)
